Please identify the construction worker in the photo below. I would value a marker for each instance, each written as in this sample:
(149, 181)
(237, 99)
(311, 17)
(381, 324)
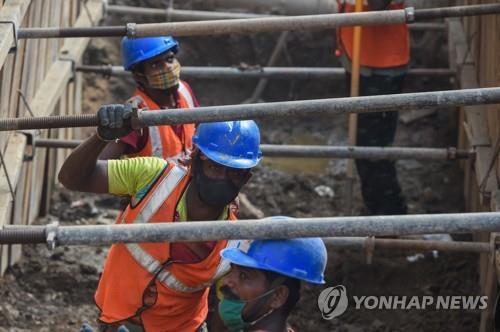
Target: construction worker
(156, 72)
(164, 286)
(263, 285)
(385, 54)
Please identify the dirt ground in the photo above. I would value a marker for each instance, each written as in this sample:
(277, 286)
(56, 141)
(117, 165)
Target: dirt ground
(53, 291)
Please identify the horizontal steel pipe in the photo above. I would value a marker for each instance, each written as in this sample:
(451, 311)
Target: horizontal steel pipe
(202, 15)
(364, 152)
(406, 244)
(221, 27)
(262, 24)
(319, 151)
(323, 107)
(17, 234)
(272, 229)
(302, 108)
(457, 11)
(192, 72)
(179, 14)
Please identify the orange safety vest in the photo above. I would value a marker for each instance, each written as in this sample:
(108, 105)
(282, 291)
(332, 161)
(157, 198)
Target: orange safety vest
(182, 289)
(163, 142)
(384, 46)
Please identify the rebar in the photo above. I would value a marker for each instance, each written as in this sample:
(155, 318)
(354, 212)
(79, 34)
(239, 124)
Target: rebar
(22, 235)
(320, 151)
(302, 108)
(191, 72)
(270, 229)
(406, 244)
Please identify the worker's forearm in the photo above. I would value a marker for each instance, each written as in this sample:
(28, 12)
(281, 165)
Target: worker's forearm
(81, 164)
(379, 4)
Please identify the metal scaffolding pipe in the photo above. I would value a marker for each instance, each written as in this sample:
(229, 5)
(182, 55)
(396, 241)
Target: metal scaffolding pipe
(255, 229)
(406, 244)
(222, 27)
(262, 24)
(202, 15)
(364, 152)
(193, 72)
(288, 7)
(302, 108)
(318, 151)
(180, 14)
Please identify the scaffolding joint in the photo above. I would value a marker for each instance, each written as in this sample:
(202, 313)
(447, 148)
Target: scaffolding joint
(51, 235)
(131, 30)
(410, 14)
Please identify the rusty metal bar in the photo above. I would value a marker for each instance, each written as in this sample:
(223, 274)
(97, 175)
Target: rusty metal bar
(406, 244)
(318, 151)
(262, 24)
(255, 229)
(302, 108)
(202, 15)
(194, 72)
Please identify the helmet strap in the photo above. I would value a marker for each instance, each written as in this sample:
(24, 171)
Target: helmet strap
(261, 299)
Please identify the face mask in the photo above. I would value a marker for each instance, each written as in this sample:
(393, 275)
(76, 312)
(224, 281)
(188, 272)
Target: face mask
(167, 78)
(214, 192)
(230, 312)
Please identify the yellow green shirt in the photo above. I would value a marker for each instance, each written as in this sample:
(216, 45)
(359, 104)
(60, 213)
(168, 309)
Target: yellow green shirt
(134, 176)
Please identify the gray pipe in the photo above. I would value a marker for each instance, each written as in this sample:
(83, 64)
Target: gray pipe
(223, 27)
(322, 107)
(200, 15)
(192, 72)
(288, 7)
(264, 229)
(302, 108)
(265, 24)
(360, 243)
(318, 151)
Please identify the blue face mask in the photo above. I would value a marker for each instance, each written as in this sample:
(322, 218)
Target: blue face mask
(230, 311)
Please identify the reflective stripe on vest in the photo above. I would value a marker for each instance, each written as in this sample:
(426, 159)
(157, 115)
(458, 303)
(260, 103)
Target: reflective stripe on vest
(184, 91)
(154, 131)
(151, 264)
(161, 194)
(156, 146)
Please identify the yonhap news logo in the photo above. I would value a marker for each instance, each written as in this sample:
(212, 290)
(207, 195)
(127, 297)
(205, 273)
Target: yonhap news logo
(333, 302)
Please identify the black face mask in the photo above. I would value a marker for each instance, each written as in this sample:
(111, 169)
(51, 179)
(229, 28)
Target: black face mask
(214, 192)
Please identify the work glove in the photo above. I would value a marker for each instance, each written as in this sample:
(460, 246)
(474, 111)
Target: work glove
(114, 121)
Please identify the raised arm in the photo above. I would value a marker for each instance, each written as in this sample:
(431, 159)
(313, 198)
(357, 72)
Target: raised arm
(82, 171)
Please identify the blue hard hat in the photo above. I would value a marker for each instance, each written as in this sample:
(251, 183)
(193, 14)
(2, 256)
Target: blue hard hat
(135, 50)
(301, 258)
(232, 143)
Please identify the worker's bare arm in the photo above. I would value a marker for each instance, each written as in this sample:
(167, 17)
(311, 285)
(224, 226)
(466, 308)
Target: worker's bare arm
(113, 150)
(379, 4)
(83, 171)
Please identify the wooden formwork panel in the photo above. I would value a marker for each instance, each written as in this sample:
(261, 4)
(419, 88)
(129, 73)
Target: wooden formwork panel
(40, 70)
(475, 50)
